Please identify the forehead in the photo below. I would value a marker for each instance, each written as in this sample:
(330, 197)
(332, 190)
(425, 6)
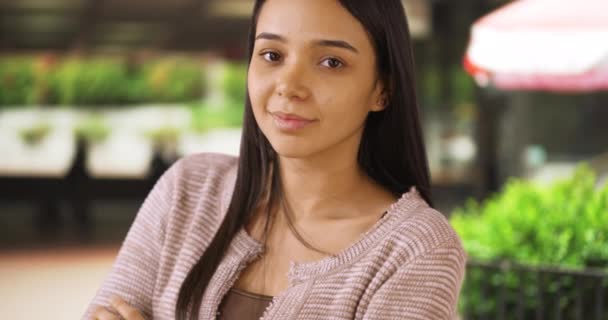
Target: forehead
(303, 20)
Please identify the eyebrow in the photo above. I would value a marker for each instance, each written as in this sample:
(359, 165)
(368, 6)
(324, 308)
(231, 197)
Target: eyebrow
(323, 42)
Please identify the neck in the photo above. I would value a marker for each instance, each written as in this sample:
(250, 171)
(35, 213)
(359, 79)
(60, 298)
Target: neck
(321, 188)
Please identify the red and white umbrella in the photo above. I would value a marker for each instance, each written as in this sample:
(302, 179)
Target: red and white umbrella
(553, 45)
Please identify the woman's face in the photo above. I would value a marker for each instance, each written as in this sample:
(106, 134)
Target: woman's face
(312, 78)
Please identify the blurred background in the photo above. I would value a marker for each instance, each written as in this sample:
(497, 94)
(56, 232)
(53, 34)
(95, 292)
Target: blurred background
(99, 97)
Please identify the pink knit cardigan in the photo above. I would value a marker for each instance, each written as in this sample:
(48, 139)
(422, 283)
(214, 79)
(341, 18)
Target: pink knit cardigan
(409, 265)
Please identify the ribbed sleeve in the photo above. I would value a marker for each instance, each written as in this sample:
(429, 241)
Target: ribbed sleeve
(425, 288)
(135, 267)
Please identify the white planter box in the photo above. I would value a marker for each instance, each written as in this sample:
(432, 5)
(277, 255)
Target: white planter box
(127, 152)
(52, 157)
(150, 117)
(225, 141)
(123, 154)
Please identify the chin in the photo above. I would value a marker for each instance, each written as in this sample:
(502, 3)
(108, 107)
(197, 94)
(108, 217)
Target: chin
(293, 149)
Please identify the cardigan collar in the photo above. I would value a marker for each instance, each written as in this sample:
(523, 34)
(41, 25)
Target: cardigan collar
(247, 249)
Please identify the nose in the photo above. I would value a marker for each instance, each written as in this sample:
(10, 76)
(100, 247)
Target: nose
(291, 82)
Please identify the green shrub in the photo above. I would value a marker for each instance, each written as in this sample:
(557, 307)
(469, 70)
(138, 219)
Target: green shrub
(138, 90)
(98, 81)
(17, 81)
(564, 224)
(205, 117)
(234, 82)
(170, 80)
(90, 82)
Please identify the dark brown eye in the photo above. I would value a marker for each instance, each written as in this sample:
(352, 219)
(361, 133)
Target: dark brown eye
(271, 56)
(333, 63)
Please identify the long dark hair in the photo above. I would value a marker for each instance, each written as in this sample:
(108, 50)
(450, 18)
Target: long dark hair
(391, 151)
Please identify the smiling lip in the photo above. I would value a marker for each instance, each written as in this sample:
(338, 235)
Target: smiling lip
(290, 122)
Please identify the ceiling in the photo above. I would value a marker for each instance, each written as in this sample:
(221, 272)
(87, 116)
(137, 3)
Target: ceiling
(124, 25)
(116, 25)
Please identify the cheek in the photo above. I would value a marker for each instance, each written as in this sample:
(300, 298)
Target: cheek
(260, 91)
(346, 104)
(257, 90)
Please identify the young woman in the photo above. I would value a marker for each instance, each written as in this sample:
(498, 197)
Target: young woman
(327, 212)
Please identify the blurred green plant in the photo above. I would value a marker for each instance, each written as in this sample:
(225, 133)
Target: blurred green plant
(463, 86)
(563, 224)
(17, 81)
(78, 82)
(169, 80)
(234, 81)
(96, 81)
(205, 117)
(35, 134)
(164, 136)
(92, 130)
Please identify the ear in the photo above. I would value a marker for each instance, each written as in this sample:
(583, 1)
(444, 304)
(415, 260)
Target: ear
(379, 97)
